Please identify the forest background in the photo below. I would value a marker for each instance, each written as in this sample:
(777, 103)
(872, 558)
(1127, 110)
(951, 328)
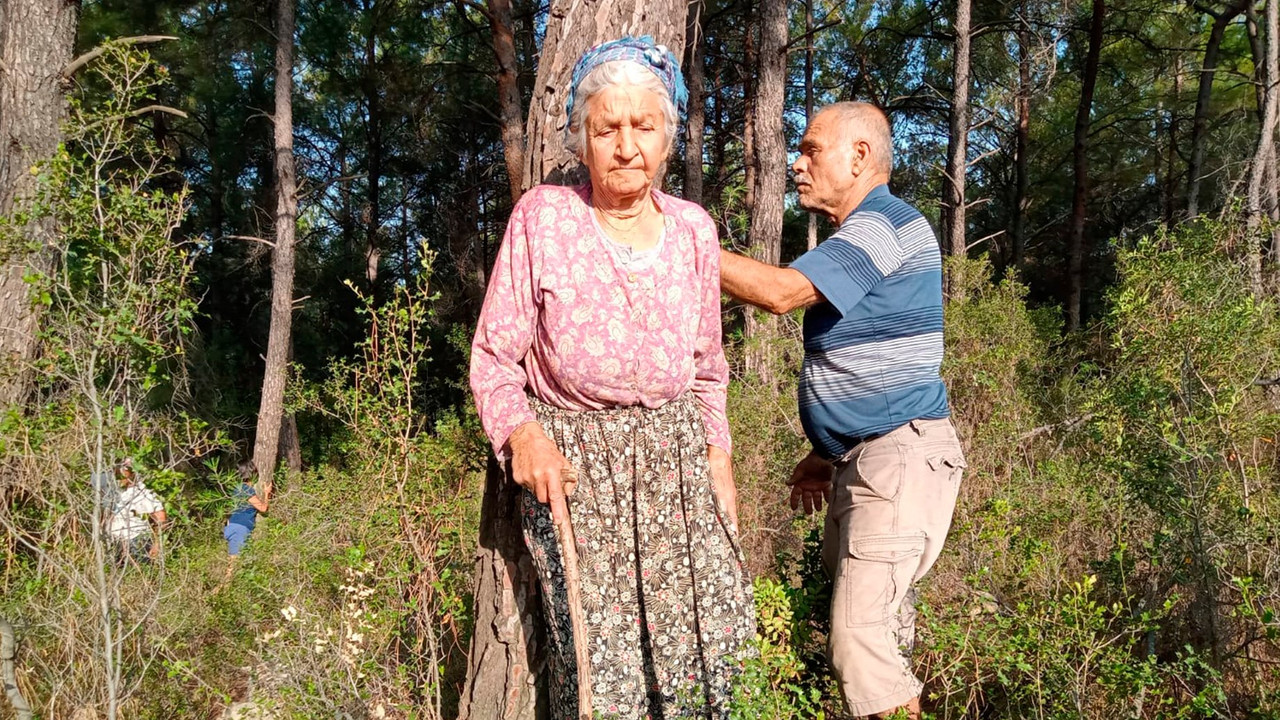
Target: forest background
(240, 228)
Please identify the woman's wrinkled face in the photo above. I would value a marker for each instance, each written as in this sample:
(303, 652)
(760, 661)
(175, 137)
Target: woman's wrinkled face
(626, 140)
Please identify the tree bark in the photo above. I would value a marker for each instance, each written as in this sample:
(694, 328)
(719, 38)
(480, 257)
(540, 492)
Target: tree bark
(370, 87)
(1265, 150)
(1171, 163)
(750, 67)
(573, 27)
(1200, 121)
(696, 124)
(1080, 165)
(1271, 191)
(958, 142)
(270, 411)
(36, 41)
(510, 113)
(769, 160)
(811, 238)
(506, 654)
(1022, 163)
(8, 672)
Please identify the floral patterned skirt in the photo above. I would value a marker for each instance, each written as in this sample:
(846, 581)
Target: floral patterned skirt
(666, 599)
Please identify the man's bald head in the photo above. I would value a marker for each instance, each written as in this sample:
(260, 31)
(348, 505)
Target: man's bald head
(866, 122)
(846, 152)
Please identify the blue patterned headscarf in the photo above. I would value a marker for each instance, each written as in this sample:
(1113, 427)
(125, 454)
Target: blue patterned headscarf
(642, 50)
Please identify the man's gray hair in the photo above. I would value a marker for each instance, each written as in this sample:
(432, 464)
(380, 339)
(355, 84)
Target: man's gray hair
(610, 74)
(864, 121)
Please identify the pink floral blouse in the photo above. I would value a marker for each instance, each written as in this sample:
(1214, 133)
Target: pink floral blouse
(566, 319)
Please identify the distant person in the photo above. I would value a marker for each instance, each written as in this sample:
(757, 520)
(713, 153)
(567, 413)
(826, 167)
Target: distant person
(137, 517)
(872, 401)
(245, 514)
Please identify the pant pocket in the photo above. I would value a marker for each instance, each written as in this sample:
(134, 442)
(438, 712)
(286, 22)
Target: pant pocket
(879, 472)
(947, 460)
(878, 573)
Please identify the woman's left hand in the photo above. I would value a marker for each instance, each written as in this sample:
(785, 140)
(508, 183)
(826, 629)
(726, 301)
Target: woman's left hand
(722, 481)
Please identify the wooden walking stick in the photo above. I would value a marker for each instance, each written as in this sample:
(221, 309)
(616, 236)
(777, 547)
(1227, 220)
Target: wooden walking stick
(573, 584)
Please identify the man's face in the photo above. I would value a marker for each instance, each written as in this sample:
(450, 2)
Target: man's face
(824, 171)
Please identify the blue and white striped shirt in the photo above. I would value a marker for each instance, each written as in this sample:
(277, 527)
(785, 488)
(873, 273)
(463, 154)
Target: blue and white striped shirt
(873, 350)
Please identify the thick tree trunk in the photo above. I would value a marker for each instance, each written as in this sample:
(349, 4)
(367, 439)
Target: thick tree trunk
(510, 113)
(750, 65)
(1271, 190)
(505, 657)
(573, 27)
(290, 445)
(8, 672)
(696, 124)
(770, 156)
(36, 41)
(370, 82)
(769, 159)
(1265, 150)
(1080, 165)
(811, 239)
(267, 442)
(720, 145)
(506, 647)
(1022, 163)
(958, 142)
(1200, 121)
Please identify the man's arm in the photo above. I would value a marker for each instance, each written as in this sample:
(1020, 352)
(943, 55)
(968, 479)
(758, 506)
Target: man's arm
(777, 290)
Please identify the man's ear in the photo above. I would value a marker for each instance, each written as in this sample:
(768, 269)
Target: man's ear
(860, 158)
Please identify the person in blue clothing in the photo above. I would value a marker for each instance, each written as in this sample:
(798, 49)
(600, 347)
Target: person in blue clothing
(249, 502)
(871, 398)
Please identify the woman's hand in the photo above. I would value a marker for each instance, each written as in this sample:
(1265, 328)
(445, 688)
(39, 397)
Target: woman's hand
(811, 483)
(722, 481)
(538, 465)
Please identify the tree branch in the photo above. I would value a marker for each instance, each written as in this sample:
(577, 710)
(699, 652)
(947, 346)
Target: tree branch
(95, 53)
(268, 243)
(806, 35)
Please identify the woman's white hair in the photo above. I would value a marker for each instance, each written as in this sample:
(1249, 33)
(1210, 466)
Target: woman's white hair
(610, 74)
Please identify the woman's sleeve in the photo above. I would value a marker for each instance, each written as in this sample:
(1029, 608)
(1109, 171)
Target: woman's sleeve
(504, 334)
(711, 370)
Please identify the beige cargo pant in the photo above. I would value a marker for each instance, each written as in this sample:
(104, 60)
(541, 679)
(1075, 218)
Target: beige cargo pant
(890, 511)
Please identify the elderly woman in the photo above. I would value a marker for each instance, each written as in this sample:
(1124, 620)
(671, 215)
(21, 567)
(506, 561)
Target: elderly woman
(598, 351)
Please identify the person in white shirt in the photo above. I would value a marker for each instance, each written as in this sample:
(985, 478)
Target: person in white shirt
(136, 518)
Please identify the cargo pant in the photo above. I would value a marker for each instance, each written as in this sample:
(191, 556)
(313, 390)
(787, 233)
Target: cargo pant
(890, 511)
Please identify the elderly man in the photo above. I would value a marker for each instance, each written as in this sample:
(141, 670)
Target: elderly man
(885, 455)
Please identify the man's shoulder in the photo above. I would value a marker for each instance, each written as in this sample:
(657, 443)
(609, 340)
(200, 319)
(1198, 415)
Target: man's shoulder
(890, 210)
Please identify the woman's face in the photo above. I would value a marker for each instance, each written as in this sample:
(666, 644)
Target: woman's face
(626, 140)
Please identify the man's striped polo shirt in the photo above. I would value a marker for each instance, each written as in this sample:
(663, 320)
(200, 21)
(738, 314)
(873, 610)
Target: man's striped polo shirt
(873, 350)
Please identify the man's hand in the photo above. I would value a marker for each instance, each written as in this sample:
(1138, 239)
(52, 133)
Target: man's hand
(811, 483)
(722, 481)
(537, 465)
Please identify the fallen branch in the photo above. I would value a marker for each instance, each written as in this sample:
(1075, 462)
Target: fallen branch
(1071, 424)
